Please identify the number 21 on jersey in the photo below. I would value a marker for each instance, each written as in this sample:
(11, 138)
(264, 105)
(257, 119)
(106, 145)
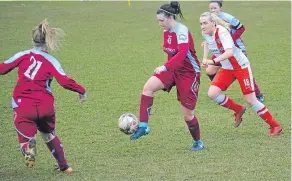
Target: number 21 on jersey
(33, 68)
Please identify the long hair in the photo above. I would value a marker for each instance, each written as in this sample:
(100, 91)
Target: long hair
(45, 36)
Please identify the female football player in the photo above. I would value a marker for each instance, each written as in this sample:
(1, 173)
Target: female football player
(236, 29)
(234, 66)
(32, 100)
(182, 69)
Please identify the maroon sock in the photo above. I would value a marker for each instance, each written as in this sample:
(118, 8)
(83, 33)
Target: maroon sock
(23, 148)
(194, 128)
(258, 93)
(57, 151)
(145, 107)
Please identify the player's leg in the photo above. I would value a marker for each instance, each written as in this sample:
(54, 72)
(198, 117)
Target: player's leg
(26, 130)
(258, 93)
(56, 148)
(164, 80)
(152, 85)
(188, 85)
(264, 113)
(46, 127)
(194, 128)
(222, 81)
(245, 80)
(211, 71)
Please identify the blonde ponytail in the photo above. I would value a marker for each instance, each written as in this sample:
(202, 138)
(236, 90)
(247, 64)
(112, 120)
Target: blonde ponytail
(43, 35)
(221, 22)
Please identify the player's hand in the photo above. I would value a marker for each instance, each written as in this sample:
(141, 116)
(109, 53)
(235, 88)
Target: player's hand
(204, 63)
(160, 69)
(203, 43)
(210, 62)
(82, 98)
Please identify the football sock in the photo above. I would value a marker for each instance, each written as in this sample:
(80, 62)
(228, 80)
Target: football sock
(143, 124)
(228, 103)
(194, 128)
(145, 108)
(57, 151)
(265, 114)
(23, 147)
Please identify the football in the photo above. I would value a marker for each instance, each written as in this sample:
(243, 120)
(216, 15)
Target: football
(128, 123)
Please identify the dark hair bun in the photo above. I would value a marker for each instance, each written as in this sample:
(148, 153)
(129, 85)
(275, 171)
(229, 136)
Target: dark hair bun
(175, 5)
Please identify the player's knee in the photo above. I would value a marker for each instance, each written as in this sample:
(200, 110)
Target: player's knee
(152, 85)
(189, 116)
(47, 137)
(212, 94)
(251, 99)
(147, 90)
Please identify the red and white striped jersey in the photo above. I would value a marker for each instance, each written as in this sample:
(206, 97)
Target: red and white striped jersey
(219, 42)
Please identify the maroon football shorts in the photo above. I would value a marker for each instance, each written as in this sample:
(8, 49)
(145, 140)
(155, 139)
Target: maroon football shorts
(187, 85)
(28, 119)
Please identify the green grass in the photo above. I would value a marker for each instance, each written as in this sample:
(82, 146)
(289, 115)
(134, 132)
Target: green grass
(112, 50)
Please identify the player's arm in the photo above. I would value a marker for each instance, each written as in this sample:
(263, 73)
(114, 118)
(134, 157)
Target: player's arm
(11, 63)
(205, 53)
(227, 43)
(206, 50)
(183, 47)
(238, 33)
(237, 26)
(65, 81)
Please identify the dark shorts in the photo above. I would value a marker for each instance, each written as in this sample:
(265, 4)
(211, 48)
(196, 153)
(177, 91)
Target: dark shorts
(29, 119)
(187, 85)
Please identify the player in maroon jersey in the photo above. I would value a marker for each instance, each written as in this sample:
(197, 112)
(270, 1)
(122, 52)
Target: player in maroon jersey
(182, 69)
(33, 101)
